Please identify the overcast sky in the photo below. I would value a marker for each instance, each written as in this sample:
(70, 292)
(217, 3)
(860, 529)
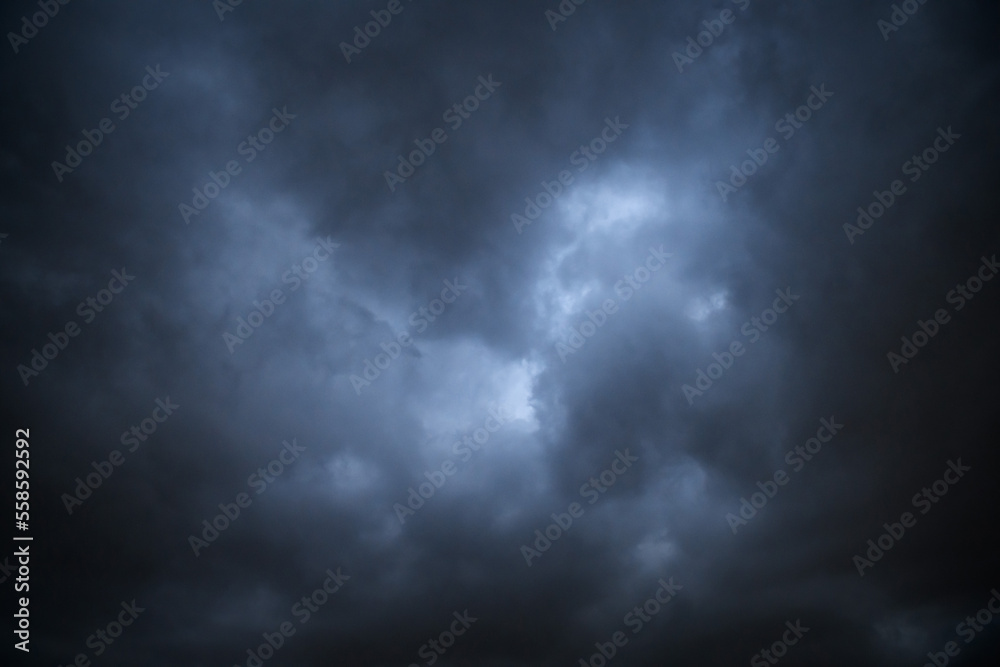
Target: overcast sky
(537, 336)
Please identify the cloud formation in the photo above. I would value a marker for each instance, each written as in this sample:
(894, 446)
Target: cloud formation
(587, 332)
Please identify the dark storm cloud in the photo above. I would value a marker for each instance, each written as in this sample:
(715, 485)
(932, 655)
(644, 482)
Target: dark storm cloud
(362, 268)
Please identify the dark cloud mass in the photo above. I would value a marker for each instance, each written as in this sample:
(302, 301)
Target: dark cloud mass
(507, 334)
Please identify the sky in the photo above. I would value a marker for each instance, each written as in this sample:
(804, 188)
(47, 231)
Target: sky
(517, 334)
